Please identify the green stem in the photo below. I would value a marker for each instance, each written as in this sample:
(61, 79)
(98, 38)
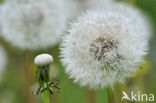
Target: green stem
(111, 98)
(91, 96)
(116, 94)
(46, 97)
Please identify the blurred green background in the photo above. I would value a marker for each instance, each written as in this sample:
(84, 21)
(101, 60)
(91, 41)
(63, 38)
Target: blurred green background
(15, 81)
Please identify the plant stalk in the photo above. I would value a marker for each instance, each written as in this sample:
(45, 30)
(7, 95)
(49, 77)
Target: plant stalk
(46, 97)
(111, 97)
(91, 96)
(28, 77)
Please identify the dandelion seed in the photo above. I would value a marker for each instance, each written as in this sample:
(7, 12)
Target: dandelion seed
(105, 45)
(33, 24)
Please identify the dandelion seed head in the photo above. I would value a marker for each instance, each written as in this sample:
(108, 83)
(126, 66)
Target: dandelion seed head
(79, 6)
(33, 24)
(105, 45)
(43, 60)
(102, 49)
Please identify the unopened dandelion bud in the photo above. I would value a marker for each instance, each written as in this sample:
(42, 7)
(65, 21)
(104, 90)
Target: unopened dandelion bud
(43, 62)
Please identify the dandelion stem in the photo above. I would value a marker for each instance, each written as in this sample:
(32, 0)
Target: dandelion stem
(116, 93)
(91, 96)
(111, 97)
(27, 77)
(46, 97)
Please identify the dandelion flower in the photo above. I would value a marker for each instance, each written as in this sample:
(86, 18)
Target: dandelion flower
(2, 59)
(105, 45)
(33, 24)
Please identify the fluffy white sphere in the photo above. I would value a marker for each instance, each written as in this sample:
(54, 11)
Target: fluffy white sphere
(43, 60)
(2, 59)
(79, 6)
(105, 45)
(33, 24)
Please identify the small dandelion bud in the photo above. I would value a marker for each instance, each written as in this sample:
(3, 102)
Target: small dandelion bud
(43, 62)
(105, 45)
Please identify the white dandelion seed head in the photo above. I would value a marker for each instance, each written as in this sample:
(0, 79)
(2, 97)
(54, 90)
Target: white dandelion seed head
(43, 60)
(2, 59)
(33, 24)
(79, 6)
(105, 45)
(87, 4)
